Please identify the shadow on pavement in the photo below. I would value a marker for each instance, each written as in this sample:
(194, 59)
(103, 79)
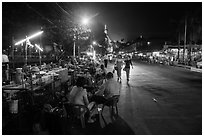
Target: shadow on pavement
(118, 127)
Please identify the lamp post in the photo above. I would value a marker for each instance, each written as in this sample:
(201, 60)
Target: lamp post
(184, 48)
(74, 47)
(39, 51)
(84, 21)
(94, 52)
(26, 52)
(27, 43)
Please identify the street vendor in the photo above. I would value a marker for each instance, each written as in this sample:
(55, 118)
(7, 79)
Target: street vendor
(5, 67)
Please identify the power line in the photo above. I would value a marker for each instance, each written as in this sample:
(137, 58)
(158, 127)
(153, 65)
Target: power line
(39, 14)
(63, 9)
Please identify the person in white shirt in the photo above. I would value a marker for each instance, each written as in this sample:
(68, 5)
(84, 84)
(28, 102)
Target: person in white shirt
(5, 58)
(5, 67)
(78, 95)
(106, 90)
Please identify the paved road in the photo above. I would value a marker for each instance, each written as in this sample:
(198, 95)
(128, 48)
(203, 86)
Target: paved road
(161, 100)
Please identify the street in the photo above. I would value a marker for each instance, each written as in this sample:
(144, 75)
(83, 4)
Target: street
(52, 68)
(161, 100)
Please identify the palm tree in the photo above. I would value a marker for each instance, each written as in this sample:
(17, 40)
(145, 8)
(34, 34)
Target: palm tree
(189, 30)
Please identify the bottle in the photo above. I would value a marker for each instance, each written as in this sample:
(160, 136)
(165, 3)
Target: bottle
(14, 105)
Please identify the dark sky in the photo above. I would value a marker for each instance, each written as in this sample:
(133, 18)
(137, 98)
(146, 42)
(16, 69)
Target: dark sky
(130, 20)
(126, 20)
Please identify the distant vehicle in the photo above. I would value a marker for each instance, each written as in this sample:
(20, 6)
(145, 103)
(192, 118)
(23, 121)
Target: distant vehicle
(199, 64)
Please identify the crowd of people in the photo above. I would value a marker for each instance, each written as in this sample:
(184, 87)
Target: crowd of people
(106, 85)
(92, 84)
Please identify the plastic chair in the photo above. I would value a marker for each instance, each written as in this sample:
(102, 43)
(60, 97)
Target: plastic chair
(75, 111)
(111, 102)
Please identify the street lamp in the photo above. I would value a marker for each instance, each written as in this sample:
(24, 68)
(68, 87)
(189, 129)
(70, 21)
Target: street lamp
(94, 42)
(40, 50)
(27, 43)
(148, 43)
(38, 47)
(30, 37)
(74, 45)
(84, 21)
(94, 52)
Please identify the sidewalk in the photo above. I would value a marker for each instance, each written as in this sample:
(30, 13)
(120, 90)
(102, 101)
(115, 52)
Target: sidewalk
(189, 67)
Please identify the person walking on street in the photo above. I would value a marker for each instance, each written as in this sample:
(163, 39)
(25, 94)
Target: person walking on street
(128, 62)
(106, 61)
(119, 64)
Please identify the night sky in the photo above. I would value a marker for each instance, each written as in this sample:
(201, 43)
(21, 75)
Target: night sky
(126, 20)
(130, 20)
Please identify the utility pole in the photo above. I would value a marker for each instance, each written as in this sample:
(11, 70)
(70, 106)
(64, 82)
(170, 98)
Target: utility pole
(184, 48)
(78, 51)
(12, 52)
(40, 57)
(74, 49)
(178, 45)
(74, 45)
(26, 52)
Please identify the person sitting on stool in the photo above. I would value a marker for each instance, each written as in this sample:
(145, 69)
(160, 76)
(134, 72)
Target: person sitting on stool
(106, 90)
(78, 95)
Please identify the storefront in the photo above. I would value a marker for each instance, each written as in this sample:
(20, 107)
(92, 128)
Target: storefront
(193, 53)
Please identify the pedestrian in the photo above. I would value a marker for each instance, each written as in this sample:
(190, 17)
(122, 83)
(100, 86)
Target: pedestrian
(119, 64)
(128, 62)
(106, 61)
